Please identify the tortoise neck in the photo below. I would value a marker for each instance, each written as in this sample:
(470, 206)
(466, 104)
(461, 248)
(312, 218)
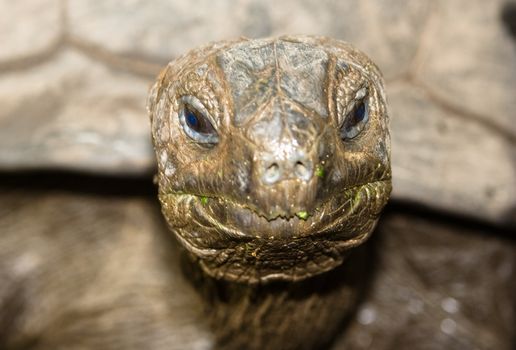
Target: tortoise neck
(282, 315)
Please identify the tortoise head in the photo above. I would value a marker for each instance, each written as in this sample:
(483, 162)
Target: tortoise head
(273, 154)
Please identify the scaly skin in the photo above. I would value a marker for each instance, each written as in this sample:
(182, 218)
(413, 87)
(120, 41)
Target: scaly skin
(281, 196)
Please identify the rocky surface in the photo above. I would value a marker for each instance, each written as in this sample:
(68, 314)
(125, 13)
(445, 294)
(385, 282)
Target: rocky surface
(74, 76)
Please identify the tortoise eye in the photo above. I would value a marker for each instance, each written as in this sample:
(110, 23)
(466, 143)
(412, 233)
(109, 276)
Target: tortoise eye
(195, 123)
(355, 121)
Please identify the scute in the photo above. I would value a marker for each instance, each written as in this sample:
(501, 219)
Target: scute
(270, 65)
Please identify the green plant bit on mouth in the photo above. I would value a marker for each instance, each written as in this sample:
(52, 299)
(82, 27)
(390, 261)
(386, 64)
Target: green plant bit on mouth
(303, 215)
(319, 171)
(204, 200)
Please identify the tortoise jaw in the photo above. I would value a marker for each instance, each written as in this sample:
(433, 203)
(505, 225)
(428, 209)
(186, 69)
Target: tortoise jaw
(232, 241)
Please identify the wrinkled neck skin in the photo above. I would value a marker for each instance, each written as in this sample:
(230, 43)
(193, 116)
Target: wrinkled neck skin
(273, 167)
(307, 314)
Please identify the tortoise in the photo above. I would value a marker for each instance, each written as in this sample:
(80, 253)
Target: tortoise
(123, 282)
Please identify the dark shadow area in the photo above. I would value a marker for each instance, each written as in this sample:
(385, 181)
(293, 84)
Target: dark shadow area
(102, 185)
(508, 17)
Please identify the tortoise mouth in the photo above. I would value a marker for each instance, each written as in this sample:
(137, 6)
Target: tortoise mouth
(240, 221)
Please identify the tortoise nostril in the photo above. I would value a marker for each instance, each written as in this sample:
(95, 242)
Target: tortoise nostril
(277, 171)
(273, 167)
(302, 171)
(272, 173)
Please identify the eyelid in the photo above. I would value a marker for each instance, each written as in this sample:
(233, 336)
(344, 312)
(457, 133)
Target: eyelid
(361, 93)
(198, 105)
